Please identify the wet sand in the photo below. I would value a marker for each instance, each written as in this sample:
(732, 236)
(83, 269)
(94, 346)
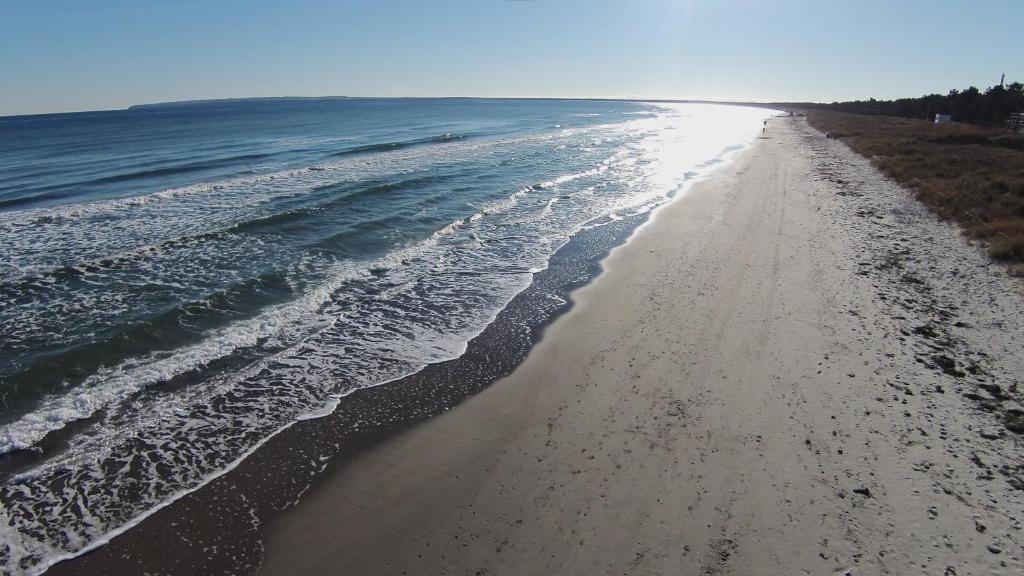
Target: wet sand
(793, 369)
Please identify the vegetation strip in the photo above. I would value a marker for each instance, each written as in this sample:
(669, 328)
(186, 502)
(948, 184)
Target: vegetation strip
(972, 175)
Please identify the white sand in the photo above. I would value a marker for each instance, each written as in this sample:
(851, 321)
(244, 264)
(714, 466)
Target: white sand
(714, 399)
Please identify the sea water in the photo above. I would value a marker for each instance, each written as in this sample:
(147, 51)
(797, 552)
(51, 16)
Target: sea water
(179, 282)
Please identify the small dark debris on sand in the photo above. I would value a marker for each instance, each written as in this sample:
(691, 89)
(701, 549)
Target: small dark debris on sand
(1013, 419)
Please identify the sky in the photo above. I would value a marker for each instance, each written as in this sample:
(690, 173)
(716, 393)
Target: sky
(58, 56)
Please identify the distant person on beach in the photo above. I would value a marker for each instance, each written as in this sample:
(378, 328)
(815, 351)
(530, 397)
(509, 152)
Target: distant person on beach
(764, 129)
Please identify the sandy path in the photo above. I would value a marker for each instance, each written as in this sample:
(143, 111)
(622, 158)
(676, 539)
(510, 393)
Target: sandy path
(741, 392)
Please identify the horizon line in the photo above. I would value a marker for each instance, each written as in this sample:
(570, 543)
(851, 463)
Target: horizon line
(143, 106)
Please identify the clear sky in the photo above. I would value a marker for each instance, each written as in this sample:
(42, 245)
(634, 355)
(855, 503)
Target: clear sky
(101, 54)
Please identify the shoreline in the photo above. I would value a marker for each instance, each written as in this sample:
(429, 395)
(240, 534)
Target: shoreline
(759, 399)
(248, 519)
(582, 262)
(240, 499)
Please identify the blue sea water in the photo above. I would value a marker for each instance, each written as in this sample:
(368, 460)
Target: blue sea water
(180, 282)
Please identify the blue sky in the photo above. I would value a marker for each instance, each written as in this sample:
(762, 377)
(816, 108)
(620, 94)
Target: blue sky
(102, 54)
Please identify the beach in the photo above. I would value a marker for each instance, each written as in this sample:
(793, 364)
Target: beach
(731, 396)
(792, 368)
(161, 322)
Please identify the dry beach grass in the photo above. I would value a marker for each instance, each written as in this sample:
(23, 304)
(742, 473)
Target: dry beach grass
(969, 174)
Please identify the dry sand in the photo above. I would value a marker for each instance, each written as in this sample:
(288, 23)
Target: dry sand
(793, 369)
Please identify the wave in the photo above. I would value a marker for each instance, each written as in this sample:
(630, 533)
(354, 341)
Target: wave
(131, 375)
(35, 280)
(566, 178)
(180, 326)
(339, 201)
(401, 144)
(103, 208)
(17, 220)
(64, 190)
(38, 280)
(178, 169)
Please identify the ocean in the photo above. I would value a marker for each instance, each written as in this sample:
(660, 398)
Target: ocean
(180, 282)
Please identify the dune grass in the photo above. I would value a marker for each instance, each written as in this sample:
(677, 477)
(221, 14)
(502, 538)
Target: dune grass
(968, 174)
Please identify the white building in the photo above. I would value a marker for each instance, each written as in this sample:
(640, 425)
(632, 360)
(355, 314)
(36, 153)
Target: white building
(1016, 122)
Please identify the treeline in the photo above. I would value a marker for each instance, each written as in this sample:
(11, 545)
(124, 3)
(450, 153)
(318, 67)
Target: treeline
(989, 108)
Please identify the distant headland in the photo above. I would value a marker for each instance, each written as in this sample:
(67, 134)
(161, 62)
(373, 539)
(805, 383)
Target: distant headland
(218, 102)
